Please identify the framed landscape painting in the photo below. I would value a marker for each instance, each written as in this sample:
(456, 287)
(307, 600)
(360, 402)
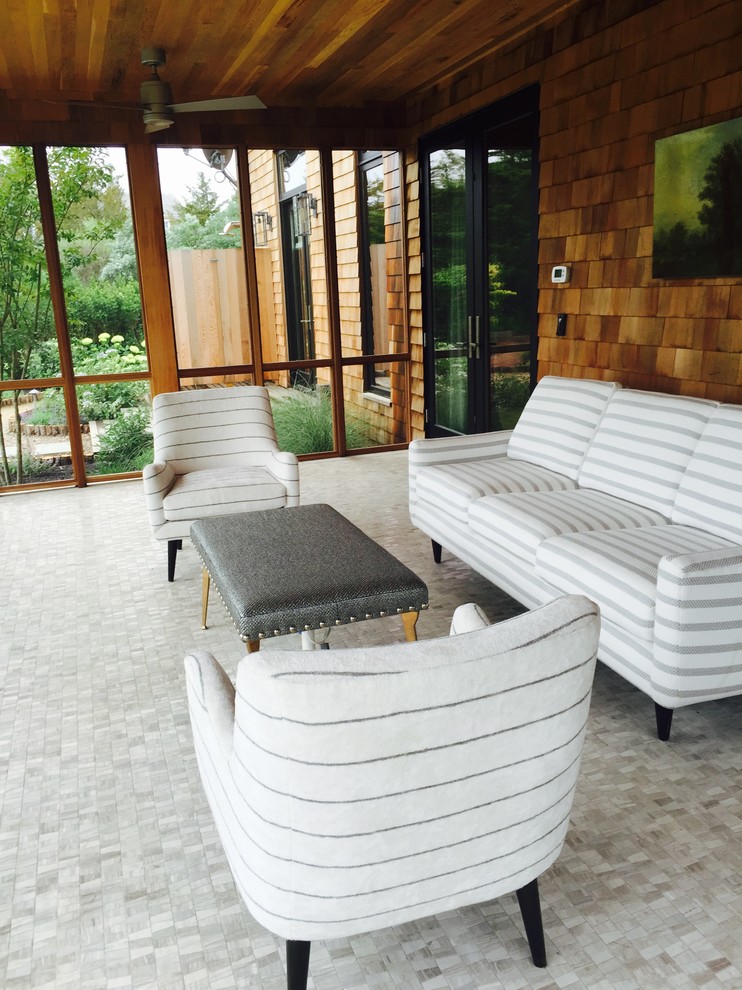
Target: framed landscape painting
(698, 203)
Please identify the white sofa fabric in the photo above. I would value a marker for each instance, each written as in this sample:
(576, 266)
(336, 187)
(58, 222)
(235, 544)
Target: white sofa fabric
(215, 453)
(360, 788)
(633, 498)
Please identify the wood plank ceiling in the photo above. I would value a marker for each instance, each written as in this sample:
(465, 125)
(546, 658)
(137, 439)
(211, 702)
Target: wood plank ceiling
(291, 53)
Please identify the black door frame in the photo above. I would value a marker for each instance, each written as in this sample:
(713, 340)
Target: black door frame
(470, 133)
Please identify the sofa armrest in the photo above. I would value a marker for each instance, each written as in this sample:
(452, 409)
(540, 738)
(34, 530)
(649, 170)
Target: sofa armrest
(449, 450)
(158, 479)
(284, 466)
(698, 626)
(211, 701)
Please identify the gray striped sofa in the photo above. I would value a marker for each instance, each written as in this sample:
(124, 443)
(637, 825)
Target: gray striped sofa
(361, 788)
(633, 498)
(215, 453)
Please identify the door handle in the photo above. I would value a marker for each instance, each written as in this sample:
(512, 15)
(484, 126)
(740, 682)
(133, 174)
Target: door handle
(474, 337)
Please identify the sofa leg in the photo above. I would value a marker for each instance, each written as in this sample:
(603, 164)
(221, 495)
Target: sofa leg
(297, 964)
(436, 551)
(664, 721)
(172, 552)
(530, 909)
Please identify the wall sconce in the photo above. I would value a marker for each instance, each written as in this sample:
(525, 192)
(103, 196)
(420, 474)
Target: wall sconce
(305, 208)
(309, 203)
(262, 225)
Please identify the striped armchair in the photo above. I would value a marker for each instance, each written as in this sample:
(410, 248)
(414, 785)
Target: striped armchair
(215, 453)
(368, 787)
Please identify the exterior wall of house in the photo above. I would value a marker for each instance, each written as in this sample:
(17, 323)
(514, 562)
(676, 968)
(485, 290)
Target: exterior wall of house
(384, 421)
(614, 78)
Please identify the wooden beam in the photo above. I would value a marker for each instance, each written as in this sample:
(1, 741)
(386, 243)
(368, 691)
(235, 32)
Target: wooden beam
(146, 205)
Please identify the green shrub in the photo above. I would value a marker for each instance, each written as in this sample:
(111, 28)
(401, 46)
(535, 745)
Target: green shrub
(115, 306)
(49, 410)
(510, 389)
(108, 355)
(126, 445)
(303, 420)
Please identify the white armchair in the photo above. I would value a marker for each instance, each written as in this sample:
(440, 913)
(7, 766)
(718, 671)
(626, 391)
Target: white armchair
(215, 452)
(363, 788)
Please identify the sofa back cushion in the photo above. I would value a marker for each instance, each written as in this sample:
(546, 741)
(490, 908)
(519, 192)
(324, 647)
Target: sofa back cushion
(710, 493)
(556, 426)
(642, 446)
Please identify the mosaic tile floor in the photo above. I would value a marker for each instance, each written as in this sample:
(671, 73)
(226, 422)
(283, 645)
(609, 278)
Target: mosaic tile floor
(111, 873)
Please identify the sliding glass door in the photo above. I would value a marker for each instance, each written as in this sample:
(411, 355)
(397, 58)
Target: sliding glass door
(480, 210)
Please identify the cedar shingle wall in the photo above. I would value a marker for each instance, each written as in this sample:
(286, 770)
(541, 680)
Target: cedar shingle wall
(614, 78)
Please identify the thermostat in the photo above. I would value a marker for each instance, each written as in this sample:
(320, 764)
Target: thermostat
(560, 273)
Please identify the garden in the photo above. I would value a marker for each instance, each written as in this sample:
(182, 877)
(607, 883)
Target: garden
(102, 306)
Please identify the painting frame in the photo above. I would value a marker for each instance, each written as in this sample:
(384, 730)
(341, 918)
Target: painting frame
(697, 206)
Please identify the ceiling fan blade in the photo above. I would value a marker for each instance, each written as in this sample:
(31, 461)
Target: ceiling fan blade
(228, 103)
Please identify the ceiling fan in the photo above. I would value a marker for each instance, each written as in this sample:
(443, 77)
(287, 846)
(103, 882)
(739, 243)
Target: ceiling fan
(156, 98)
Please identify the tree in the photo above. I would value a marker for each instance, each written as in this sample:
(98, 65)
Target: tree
(721, 212)
(509, 241)
(202, 205)
(79, 177)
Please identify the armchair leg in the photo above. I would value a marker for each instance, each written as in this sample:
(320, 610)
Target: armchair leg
(663, 717)
(172, 551)
(530, 909)
(436, 551)
(297, 964)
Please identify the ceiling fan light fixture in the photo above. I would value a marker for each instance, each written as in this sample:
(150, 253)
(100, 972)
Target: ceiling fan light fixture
(157, 121)
(156, 98)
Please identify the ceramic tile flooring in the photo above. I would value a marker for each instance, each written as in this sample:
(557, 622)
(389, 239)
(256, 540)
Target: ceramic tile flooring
(111, 872)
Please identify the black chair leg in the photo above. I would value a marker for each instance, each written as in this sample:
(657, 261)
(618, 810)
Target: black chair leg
(436, 551)
(297, 964)
(530, 909)
(664, 721)
(172, 552)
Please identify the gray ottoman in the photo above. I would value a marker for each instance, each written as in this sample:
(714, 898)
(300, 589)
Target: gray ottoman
(300, 569)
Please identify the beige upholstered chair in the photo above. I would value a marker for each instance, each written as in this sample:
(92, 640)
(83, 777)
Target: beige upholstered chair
(215, 452)
(368, 787)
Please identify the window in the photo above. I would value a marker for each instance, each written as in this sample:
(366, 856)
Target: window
(373, 268)
(73, 360)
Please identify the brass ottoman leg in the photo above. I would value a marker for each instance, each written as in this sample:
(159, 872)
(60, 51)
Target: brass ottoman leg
(205, 583)
(410, 621)
(253, 645)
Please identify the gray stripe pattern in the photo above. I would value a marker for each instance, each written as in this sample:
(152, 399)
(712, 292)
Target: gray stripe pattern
(343, 809)
(642, 447)
(619, 567)
(698, 639)
(457, 487)
(215, 453)
(710, 493)
(521, 523)
(558, 422)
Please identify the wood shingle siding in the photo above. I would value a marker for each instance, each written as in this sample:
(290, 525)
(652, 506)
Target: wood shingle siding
(614, 78)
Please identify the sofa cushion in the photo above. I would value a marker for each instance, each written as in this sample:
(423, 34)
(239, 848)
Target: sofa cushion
(618, 568)
(454, 487)
(519, 523)
(556, 426)
(642, 447)
(218, 491)
(710, 490)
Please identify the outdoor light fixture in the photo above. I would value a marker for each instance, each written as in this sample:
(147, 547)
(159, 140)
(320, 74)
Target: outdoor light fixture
(309, 203)
(305, 207)
(262, 225)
